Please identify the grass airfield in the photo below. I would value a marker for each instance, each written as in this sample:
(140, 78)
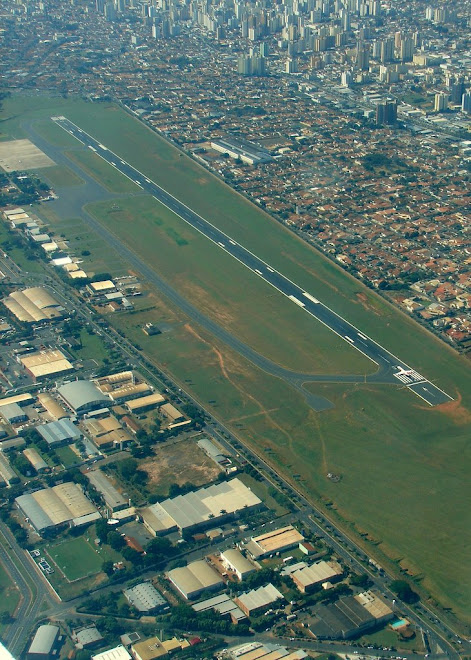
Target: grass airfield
(403, 472)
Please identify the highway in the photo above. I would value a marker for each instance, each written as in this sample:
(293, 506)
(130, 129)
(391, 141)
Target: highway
(34, 590)
(391, 368)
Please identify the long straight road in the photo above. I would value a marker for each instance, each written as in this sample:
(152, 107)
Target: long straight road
(391, 368)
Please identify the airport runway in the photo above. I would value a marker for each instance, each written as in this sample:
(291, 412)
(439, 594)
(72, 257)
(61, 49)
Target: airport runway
(391, 368)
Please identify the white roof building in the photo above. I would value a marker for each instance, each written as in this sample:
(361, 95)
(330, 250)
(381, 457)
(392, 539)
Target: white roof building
(199, 508)
(118, 653)
(195, 578)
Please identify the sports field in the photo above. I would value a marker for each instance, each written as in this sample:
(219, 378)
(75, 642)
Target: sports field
(402, 464)
(76, 558)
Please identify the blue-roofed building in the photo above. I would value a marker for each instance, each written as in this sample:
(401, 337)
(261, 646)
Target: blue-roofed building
(59, 433)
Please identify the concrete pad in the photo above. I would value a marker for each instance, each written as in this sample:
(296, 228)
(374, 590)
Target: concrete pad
(22, 155)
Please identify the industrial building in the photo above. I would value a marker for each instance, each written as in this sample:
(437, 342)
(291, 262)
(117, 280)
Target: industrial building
(278, 540)
(144, 403)
(51, 406)
(107, 432)
(117, 653)
(206, 506)
(87, 637)
(7, 474)
(375, 605)
(44, 642)
(126, 392)
(306, 579)
(59, 433)
(171, 413)
(36, 460)
(52, 507)
(235, 562)
(195, 578)
(13, 414)
(113, 499)
(81, 396)
(20, 399)
(223, 605)
(256, 601)
(153, 648)
(350, 617)
(246, 151)
(145, 598)
(46, 364)
(259, 651)
(34, 305)
(98, 288)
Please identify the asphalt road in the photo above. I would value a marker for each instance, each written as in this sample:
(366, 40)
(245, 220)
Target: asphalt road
(18, 564)
(391, 368)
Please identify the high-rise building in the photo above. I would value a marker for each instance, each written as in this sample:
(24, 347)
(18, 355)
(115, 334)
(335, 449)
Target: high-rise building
(406, 49)
(386, 113)
(457, 91)
(441, 102)
(466, 102)
(387, 50)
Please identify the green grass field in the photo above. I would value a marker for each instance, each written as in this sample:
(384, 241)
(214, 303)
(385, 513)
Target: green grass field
(97, 168)
(76, 558)
(403, 465)
(67, 456)
(227, 291)
(61, 176)
(9, 592)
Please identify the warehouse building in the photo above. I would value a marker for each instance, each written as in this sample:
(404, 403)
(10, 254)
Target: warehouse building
(36, 460)
(198, 509)
(87, 637)
(107, 432)
(99, 288)
(278, 540)
(247, 152)
(13, 414)
(233, 560)
(34, 305)
(113, 499)
(117, 653)
(44, 642)
(153, 648)
(375, 605)
(127, 391)
(144, 403)
(81, 396)
(258, 600)
(223, 605)
(59, 433)
(46, 364)
(51, 406)
(171, 413)
(267, 651)
(194, 579)
(145, 598)
(7, 475)
(52, 507)
(20, 399)
(306, 579)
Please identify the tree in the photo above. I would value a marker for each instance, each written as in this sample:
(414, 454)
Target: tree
(403, 591)
(115, 540)
(107, 567)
